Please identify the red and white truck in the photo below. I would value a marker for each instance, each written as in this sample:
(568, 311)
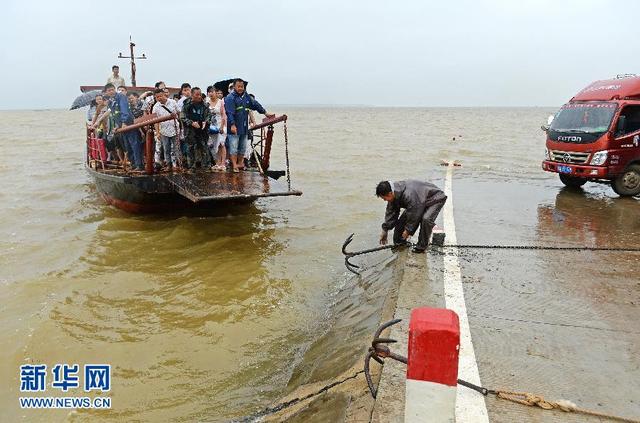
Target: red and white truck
(596, 136)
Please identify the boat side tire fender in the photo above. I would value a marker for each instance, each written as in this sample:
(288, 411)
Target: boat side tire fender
(627, 184)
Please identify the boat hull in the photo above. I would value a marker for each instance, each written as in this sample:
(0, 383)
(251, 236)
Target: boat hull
(162, 193)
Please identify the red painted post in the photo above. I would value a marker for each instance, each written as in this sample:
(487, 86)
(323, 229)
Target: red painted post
(266, 156)
(432, 365)
(148, 152)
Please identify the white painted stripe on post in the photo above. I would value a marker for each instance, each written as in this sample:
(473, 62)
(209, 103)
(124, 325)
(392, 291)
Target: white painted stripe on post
(470, 405)
(429, 402)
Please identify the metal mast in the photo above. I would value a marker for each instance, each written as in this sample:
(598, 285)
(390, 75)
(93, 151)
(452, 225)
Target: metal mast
(133, 61)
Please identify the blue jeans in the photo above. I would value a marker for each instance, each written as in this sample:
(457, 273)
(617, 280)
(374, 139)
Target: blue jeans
(237, 144)
(134, 144)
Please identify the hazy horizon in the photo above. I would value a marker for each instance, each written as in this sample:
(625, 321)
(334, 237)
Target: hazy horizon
(488, 53)
(324, 106)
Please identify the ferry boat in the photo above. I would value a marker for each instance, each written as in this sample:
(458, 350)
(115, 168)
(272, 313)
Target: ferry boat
(153, 191)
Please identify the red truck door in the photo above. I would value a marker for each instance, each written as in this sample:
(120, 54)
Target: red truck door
(624, 157)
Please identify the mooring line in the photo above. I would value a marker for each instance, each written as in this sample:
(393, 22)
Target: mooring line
(470, 408)
(284, 405)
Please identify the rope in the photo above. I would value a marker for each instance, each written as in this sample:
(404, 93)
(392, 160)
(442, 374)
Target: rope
(279, 407)
(531, 400)
(286, 153)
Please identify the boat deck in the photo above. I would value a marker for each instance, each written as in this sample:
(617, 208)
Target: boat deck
(211, 186)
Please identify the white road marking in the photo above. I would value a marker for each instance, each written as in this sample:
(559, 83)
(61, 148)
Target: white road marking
(470, 405)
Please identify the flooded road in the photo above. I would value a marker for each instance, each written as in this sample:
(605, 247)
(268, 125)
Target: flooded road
(215, 317)
(558, 323)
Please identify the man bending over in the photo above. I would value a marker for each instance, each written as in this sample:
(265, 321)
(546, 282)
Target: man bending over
(421, 201)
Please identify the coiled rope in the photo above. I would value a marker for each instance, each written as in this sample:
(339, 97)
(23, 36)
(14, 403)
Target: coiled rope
(532, 400)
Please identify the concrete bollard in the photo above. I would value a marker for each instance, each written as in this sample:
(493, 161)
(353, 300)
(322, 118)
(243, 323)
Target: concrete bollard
(432, 366)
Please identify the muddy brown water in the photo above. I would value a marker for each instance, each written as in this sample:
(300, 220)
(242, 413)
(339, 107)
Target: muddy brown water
(212, 317)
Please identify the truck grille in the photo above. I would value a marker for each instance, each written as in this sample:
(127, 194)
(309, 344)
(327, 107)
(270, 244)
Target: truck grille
(569, 157)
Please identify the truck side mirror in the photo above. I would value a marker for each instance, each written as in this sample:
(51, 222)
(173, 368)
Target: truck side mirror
(550, 119)
(546, 127)
(622, 123)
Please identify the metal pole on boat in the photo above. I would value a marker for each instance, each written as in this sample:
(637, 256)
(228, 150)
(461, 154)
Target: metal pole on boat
(133, 61)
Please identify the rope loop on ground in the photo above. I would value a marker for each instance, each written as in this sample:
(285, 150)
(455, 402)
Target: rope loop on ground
(532, 400)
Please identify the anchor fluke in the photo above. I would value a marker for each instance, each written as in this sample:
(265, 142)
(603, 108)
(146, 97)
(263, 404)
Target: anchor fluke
(348, 255)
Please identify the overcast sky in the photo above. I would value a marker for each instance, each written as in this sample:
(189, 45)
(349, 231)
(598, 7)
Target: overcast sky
(413, 53)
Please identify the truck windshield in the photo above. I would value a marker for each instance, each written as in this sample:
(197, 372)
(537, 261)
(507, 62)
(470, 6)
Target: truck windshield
(586, 118)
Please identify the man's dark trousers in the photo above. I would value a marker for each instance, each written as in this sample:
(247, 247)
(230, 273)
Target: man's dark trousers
(426, 226)
(196, 142)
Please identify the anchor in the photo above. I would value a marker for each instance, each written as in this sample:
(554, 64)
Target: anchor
(348, 255)
(379, 351)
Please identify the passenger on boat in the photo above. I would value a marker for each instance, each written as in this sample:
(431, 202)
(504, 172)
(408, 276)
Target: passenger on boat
(195, 121)
(99, 120)
(119, 116)
(185, 94)
(237, 104)
(166, 132)
(122, 89)
(148, 97)
(135, 104)
(135, 140)
(218, 151)
(421, 201)
(115, 77)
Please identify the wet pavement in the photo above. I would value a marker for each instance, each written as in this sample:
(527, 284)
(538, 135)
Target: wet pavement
(563, 324)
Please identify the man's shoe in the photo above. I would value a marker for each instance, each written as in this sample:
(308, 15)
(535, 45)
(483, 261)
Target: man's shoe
(418, 250)
(401, 243)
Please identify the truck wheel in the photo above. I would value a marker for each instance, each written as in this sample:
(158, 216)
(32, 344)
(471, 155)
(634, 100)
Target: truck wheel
(572, 181)
(628, 184)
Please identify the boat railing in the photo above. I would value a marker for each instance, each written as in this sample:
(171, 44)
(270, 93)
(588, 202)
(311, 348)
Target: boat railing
(261, 145)
(96, 152)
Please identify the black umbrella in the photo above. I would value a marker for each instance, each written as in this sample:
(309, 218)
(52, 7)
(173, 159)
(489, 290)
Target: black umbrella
(224, 85)
(84, 99)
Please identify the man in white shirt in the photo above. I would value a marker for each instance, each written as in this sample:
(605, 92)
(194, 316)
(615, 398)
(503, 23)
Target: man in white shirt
(185, 95)
(148, 98)
(167, 141)
(115, 78)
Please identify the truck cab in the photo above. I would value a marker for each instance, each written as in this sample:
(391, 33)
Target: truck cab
(596, 136)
